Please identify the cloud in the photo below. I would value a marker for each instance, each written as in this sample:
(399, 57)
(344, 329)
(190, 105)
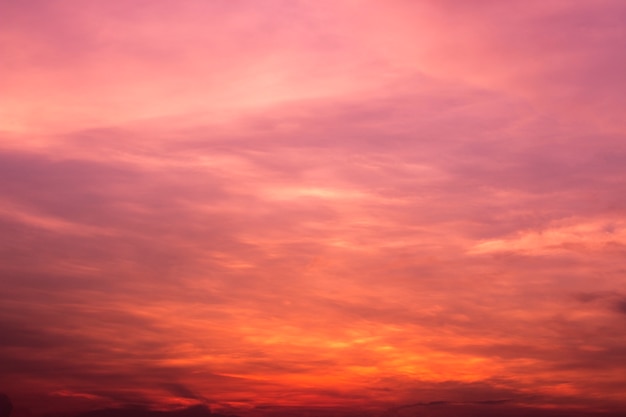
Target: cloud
(311, 208)
(195, 411)
(613, 300)
(5, 406)
(620, 306)
(181, 391)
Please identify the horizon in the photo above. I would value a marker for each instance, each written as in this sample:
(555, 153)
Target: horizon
(316, 208)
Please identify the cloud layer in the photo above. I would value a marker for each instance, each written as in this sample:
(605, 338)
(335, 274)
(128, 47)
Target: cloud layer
(310, 206)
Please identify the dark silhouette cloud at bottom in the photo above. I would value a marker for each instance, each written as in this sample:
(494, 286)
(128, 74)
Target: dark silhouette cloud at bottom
(484, 409)
(5, 406)
(194, 411)
(496, 408)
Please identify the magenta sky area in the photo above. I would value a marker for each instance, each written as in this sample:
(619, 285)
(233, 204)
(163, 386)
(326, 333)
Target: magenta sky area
(313, 207)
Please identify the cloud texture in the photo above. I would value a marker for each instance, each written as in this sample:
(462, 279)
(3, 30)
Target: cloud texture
(352, 206)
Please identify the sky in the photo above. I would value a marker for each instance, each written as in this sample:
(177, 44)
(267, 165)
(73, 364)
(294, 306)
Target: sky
(312, 207)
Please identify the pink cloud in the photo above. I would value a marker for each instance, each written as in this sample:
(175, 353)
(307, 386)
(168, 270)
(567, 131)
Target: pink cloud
(279, 207)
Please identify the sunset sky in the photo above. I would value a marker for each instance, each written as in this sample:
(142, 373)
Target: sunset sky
(313, 207)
